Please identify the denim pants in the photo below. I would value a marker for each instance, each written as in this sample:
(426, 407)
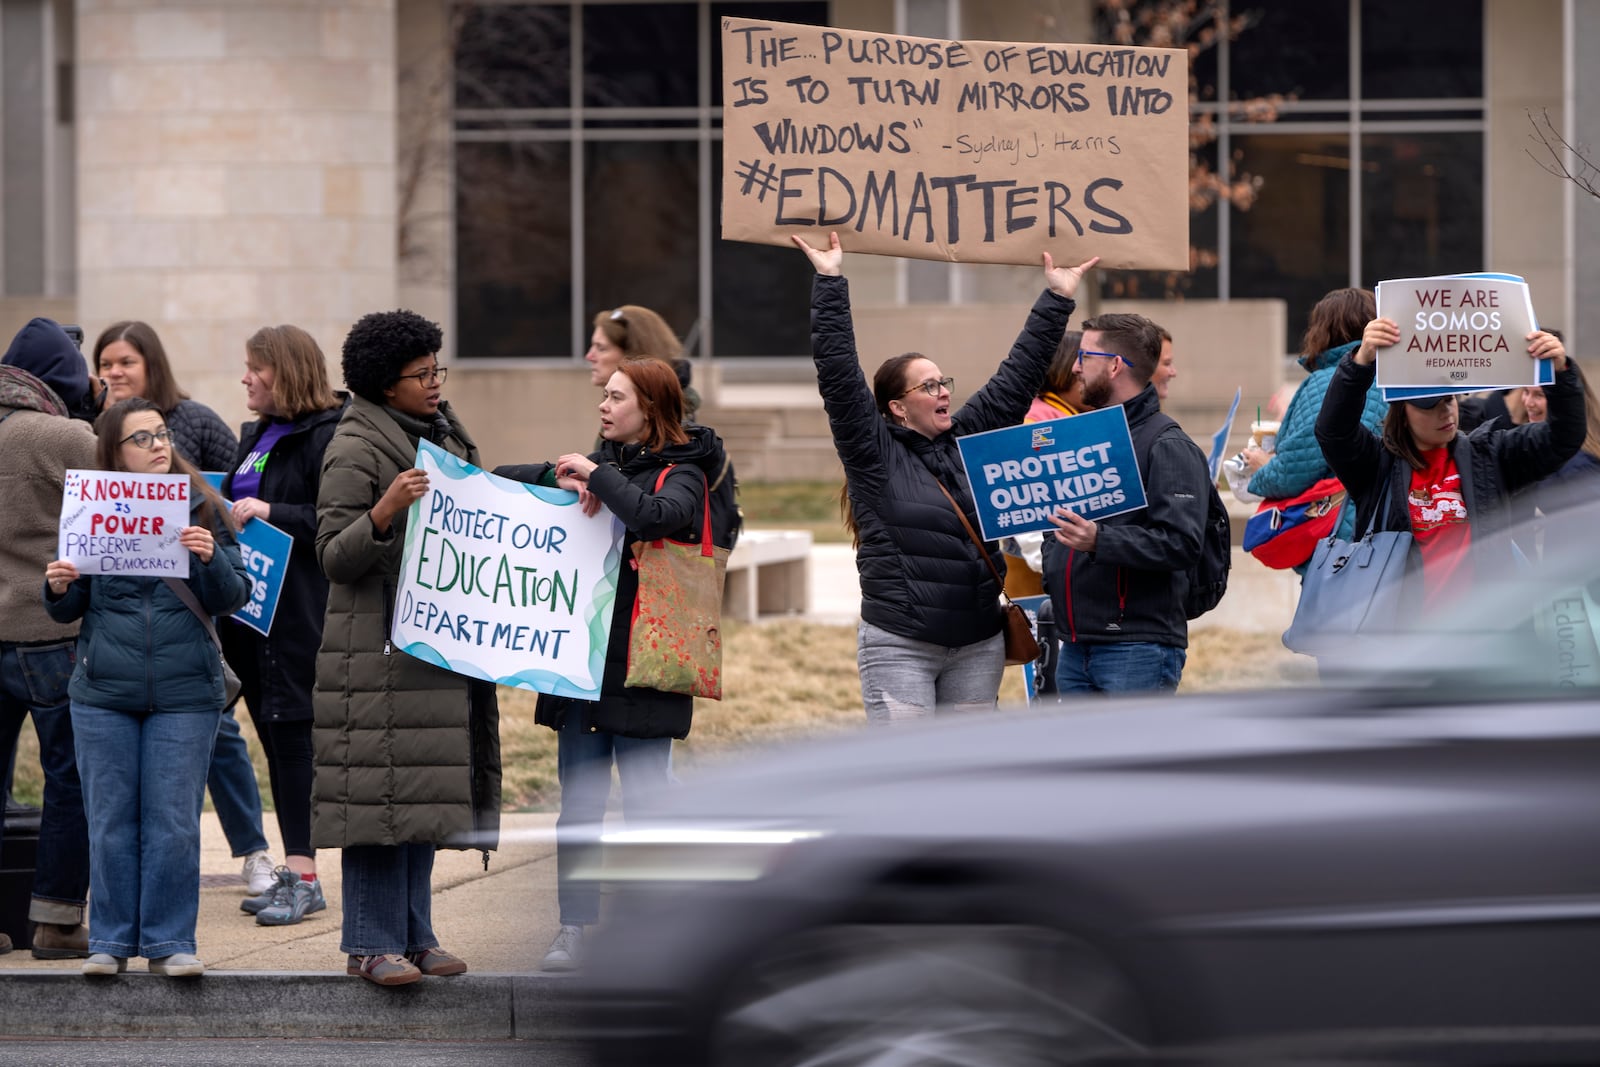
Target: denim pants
(583, 766)
(1130, 667)
(388, 899)
(33, 680)
(904, 679)
(144, 780)
(234, 792)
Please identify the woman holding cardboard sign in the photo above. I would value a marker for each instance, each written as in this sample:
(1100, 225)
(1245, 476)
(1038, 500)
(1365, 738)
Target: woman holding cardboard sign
(930, 634)
(147, 694)
(274, 477)
(651, 470)
(1447, 489)
(407, 754)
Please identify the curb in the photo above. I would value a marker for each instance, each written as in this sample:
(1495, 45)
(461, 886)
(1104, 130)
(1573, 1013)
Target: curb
(268, 1004)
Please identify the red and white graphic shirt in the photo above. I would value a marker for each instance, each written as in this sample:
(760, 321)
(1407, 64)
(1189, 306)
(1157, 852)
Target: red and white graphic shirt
(1439, 526)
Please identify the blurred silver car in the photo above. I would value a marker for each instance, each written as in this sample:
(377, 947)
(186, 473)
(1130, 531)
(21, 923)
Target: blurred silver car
(1404, 873)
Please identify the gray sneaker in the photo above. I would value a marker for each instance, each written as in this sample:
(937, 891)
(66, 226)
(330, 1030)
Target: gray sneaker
(290, 907)
(283, 882)
(564, 950)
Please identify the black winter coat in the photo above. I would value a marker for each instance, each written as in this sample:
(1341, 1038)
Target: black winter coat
(1132, 586)
(1494, 462)
(921, 575)
(625, 481)
(278, 671)
(201, 436)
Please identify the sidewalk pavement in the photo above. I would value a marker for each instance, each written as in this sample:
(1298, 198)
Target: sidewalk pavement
(289, 981)
(284, 981)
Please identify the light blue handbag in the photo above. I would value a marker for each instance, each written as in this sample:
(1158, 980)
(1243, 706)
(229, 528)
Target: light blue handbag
(1352, 587)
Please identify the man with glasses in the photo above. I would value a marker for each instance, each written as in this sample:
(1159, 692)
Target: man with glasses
(43, 378)
(1117, 584)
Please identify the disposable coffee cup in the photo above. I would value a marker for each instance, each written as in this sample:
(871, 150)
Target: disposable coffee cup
(1264, 435)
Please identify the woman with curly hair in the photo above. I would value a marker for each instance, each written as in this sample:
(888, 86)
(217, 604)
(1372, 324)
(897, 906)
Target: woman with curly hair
(407, 754)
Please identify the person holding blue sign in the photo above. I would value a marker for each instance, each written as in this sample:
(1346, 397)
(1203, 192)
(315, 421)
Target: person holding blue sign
(1117, 584)
(1447, 489)
(930, 635)
(275, 477)
(147, 694)
(407, 753)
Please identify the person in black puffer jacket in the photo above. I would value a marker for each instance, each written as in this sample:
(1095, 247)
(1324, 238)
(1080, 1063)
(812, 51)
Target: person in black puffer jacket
(930, 634)
(641, 422)
(1448, 489)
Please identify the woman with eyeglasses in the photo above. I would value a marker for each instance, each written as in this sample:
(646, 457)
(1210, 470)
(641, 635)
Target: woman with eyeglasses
(407, 754)
(132, 361)
(930, 635)
(274, 478)
(147, 694)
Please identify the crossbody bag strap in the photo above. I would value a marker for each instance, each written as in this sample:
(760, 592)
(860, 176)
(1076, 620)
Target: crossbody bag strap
(984, 552)
(182, 591)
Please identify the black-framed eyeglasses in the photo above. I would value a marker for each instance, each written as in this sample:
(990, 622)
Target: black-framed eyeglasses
(146, 440)
(428, 377)
(932, 386)
(618, 317)
(1103, 355)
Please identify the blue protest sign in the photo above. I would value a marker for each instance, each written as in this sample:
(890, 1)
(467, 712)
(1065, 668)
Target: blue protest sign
(1219, 440)
(265, 549)
(1021, 474)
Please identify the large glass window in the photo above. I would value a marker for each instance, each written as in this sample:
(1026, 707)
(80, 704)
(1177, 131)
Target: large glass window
(589, 166)
(588, 174)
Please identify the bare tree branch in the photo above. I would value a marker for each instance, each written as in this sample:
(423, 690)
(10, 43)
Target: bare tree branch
(1557, 148)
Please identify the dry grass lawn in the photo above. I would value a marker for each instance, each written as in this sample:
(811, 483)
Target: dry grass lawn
(783, 680)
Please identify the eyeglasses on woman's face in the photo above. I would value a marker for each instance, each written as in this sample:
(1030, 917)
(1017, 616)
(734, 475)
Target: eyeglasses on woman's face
(146, 440)
(932, 386)
(431, 376)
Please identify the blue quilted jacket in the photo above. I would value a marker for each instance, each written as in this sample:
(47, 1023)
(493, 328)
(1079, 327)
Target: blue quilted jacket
(1298, 464)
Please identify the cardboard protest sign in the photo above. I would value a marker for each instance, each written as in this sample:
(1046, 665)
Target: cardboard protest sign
(506, 582)
(967, 151)
(114, 522)
(266, 550)
(1021, 474)
(1458, 333)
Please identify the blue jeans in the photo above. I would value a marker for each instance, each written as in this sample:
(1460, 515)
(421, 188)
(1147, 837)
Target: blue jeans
(388, 899)
(33, 680)
(583, 766)
(904, 679)
(1130, 667)
(144, 780)
(234, 792)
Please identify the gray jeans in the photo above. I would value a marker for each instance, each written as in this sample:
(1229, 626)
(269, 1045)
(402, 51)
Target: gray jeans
(903, 679)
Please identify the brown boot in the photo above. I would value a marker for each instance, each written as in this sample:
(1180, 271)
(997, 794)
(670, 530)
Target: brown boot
(5, 944)
(58, 941)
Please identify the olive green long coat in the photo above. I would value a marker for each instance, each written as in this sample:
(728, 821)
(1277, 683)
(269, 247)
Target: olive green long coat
(406, 753)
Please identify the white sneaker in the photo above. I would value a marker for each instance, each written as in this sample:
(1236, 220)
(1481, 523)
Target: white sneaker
(564, 950)
(103, 963)
(178, 965)
(258, 872)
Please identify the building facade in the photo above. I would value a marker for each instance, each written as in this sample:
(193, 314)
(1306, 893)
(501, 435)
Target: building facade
(513, 168)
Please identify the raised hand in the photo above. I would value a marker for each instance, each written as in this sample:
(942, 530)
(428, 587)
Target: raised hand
(1380, 333)
(1064, 280)
(1543, 345)
(829, 261)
